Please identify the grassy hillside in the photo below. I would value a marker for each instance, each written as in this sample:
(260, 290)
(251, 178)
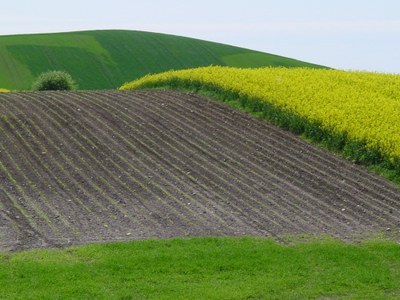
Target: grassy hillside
(107, 59)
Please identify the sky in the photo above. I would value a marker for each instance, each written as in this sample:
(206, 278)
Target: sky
(343, 34)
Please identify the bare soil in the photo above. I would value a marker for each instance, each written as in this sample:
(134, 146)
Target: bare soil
(83, 167)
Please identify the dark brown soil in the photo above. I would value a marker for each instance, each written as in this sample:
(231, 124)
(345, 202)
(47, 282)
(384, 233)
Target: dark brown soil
(110, 165)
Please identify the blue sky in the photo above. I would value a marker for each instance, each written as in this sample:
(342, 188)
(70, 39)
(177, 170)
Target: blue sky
(352, 34)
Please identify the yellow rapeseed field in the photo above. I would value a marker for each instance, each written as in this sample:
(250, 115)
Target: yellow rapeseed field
(3, 90)
(363, 105)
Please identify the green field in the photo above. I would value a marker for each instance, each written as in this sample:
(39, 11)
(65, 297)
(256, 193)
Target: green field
(205, 268)
(107, 59)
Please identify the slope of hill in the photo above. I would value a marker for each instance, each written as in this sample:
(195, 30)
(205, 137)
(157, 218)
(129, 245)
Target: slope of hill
(83, 167)
(354, 113)
(107, 59)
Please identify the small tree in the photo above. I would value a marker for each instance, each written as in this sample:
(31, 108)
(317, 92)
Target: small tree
(54, 81)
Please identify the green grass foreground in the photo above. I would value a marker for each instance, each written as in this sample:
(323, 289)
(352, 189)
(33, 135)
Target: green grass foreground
(205, 268)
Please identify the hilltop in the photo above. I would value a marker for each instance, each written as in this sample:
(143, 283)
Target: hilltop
(106, 59)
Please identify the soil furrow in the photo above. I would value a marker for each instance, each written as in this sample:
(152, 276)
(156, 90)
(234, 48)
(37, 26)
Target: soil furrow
(347, 183)
(87, 166)
(293, 164)
(106, 141)
(203, 167)
(114, 212)
(20, 163)
(19, 232)
(16, 179)
(131, 148)
(278, 190)
(66, 169)
(113, 165)
(210, 170)
(298, 146)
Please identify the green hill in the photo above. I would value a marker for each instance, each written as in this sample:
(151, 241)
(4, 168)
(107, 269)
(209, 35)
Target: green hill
(108, 58)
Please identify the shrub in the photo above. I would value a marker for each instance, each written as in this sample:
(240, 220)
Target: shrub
(54, 81)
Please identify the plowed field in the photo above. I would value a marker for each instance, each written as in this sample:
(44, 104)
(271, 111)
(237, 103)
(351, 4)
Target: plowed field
(110, 165)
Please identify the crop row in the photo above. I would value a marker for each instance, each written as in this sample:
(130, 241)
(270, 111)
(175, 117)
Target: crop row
(355, 112)
(110, 165)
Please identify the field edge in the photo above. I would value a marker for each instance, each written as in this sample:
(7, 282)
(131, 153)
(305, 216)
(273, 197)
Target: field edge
(355, 151)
